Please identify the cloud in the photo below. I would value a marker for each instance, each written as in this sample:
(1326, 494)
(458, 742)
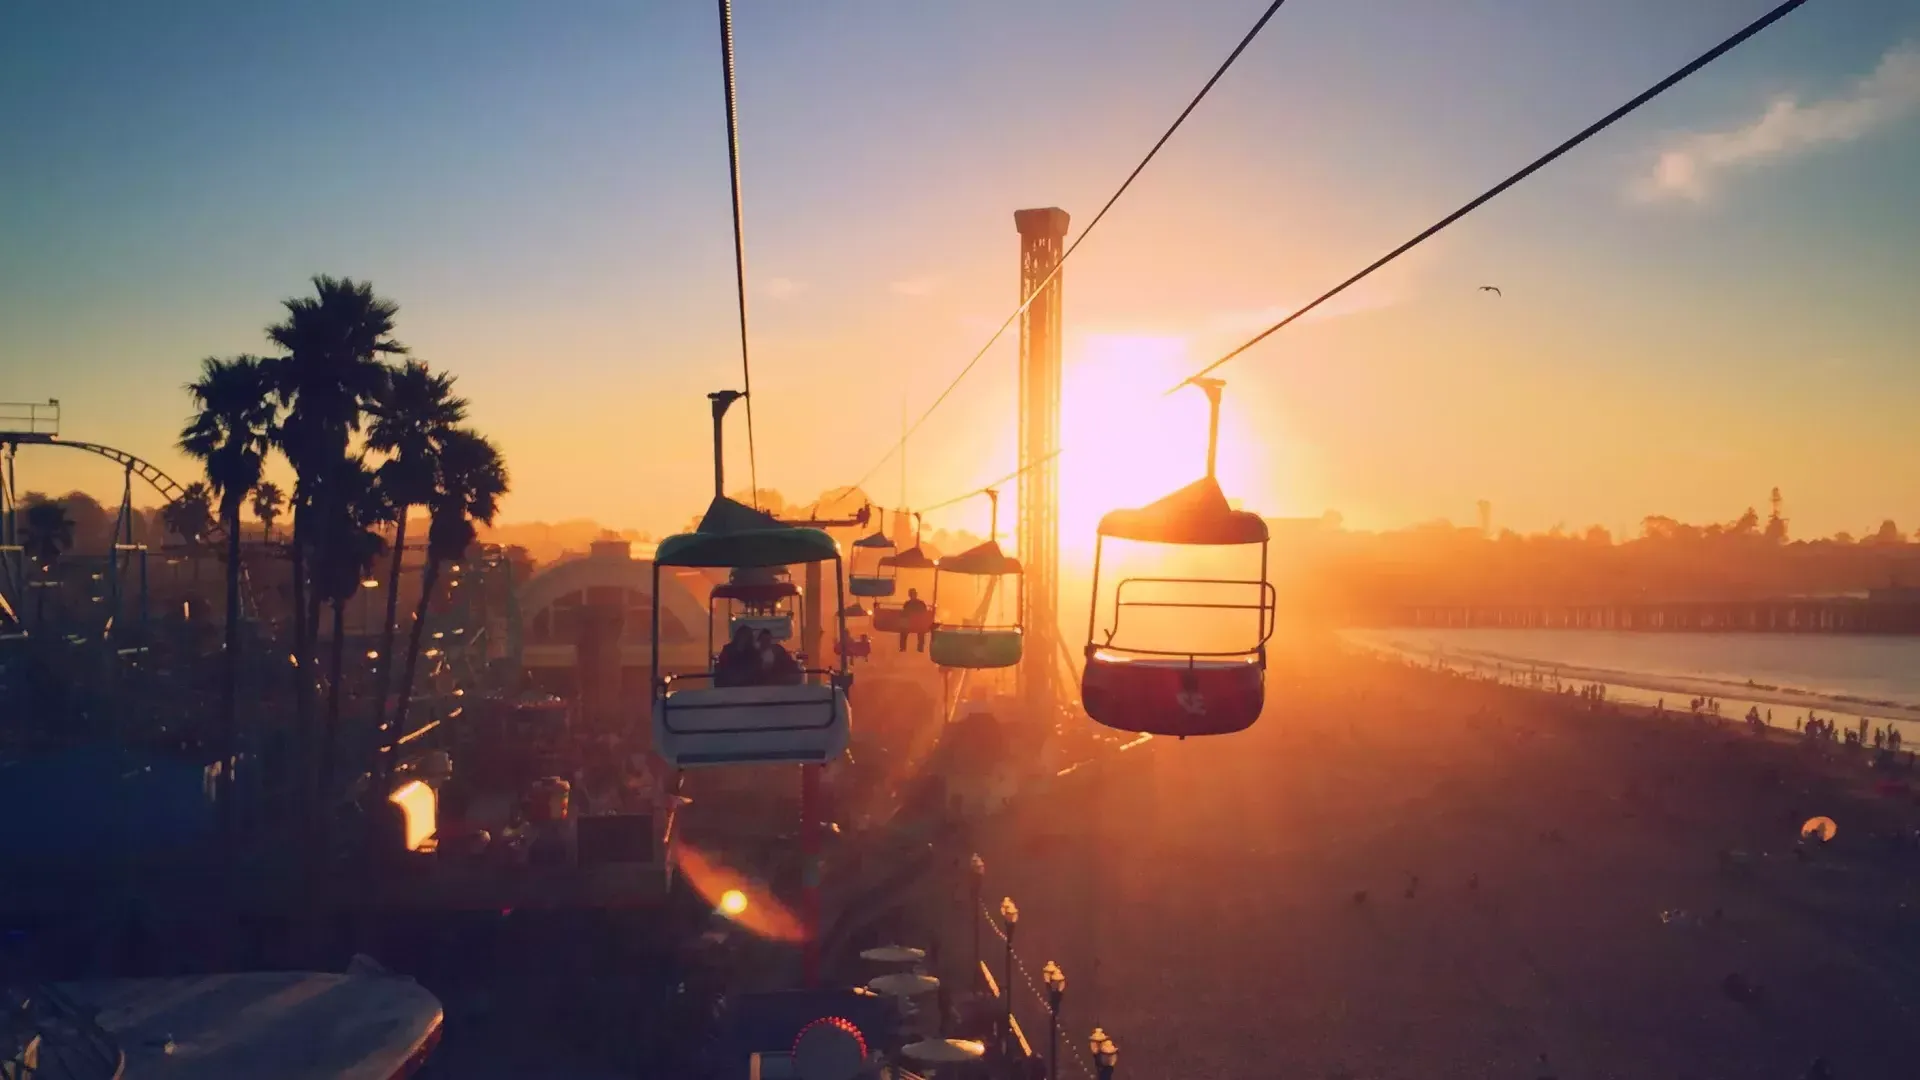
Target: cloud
(784, 288)
(920, 286)
(1397, 283)
(1691, 165)
(1356, 302)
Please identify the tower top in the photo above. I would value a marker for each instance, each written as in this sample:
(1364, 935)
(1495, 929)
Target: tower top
(1051, 221)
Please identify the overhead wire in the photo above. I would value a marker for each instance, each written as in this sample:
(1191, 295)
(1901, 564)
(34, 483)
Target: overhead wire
(1053, 272)
(739, 238)
(1536, 165)
(1776, 14)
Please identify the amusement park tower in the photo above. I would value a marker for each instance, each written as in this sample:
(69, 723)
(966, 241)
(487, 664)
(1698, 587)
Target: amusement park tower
(1042, 236)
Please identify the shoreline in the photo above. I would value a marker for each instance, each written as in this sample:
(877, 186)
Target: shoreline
(1649, 689)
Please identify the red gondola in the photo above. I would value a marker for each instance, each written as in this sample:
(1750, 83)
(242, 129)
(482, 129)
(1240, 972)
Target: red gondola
(1185, 692)
(913, 614)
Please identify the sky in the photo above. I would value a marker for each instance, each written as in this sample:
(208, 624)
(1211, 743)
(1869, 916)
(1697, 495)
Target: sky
(1711, 299)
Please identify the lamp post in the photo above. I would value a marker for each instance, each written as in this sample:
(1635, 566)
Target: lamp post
(1056, 981)
(1105, 1053)
(979, 882)
(1009, 914)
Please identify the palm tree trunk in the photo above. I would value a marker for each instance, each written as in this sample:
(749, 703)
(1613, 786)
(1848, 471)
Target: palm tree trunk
(330, 750)
(389, 628)
(230, 692)
(414, 635)
(303, 675)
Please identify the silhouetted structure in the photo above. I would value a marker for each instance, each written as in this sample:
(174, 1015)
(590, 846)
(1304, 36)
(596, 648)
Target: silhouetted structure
(1042, 234)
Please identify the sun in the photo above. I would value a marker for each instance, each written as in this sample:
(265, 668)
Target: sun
(1126, 441)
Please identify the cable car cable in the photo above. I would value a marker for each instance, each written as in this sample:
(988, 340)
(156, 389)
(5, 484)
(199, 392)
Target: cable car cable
(739, 239)
(1539, 163)
(1586, 133)
(1068, 253)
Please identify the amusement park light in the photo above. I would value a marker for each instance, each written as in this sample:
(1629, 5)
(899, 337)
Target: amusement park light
(419, 805)
(1105, 1054)
(733, 903)
(1009, 913)
(1056, 981)
(373, 654)
(370, 583)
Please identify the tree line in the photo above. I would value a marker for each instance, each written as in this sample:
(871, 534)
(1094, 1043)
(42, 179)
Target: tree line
(370, 433)
(1750, 557)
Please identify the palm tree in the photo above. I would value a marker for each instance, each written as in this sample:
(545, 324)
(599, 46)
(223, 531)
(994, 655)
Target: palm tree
(47, 535)
(334, 341)
(267, 501)
(231, 434)
(348, 547)
(410, 421)
(191, 515)
(468, 483)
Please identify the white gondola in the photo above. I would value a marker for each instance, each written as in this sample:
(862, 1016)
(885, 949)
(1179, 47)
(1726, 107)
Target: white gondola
(698, 721)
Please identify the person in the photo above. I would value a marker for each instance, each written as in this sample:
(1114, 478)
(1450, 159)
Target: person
(775, 664)
(738, 663)
(911, 613)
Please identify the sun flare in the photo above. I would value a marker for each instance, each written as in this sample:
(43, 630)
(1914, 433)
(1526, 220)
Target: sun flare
(1126, 441)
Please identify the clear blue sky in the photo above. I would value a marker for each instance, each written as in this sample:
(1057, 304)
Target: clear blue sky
(543, 189)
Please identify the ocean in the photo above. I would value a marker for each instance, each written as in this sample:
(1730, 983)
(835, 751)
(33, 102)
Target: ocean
(1838, 677)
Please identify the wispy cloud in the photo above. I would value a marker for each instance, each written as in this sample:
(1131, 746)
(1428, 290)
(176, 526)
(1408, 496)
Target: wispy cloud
(1692, 165)
(1393, 285)
(784, 288)
(919, 286)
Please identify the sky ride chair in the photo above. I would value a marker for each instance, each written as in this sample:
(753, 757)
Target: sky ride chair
(905, 617)
(981, 643)
(868, 572)
(697, 724)
(758, 598)
(1180, 692)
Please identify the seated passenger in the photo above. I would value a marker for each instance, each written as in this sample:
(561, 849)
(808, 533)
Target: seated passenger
(913, 612)
(776, 665)
(739, 662)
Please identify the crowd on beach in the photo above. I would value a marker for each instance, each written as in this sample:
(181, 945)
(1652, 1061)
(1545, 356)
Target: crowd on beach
(1405, 872)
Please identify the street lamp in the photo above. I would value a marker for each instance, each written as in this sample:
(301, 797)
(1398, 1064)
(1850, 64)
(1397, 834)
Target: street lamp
(1056, 981)
(1009, 914)
(979, 883)
(1105, 1053)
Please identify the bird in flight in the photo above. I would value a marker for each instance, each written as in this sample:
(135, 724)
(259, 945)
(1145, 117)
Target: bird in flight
(1494, 289)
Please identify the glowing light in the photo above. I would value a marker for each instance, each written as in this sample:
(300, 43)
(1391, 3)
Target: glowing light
(373, 654)
(370, 583)
(420, 805)
(733, 903)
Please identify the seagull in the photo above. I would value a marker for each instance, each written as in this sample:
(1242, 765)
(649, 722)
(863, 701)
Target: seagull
(1494, 289)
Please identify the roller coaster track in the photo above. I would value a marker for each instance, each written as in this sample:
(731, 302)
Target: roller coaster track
(153, 475)
(170, 489)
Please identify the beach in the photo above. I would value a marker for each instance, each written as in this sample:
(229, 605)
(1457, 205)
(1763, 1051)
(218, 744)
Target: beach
(1406, 873)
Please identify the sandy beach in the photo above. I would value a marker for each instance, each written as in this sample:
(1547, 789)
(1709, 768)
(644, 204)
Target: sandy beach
(1586, 883)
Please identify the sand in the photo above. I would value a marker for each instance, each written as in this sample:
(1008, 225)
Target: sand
(1201, 895)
